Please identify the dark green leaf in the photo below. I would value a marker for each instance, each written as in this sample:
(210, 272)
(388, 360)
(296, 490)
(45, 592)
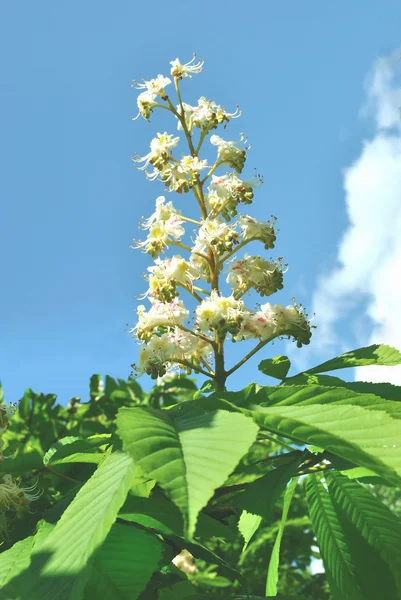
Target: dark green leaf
(123, 564)
(332, 543)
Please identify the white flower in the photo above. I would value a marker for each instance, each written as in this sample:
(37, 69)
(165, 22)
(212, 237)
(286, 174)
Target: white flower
(258, 230)
(255, 326)
(292, 320)
(166, 314)
(255, 272)
(192, 164)
(216, 234)
(228, 152)
(163, 212)
(14, 497)
(161, 232)
(160, 151)
(154, 355)
(145, 102)
(206, 115)
(167, 274)
(159, 354)
(179, 71)
(219, 312)
(177, 180)
(154, 86)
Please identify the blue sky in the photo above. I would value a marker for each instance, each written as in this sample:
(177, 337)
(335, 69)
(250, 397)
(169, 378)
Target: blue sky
(71, 200)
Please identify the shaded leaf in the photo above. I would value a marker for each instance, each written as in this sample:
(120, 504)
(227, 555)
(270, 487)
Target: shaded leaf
(374, 521)
(58, 571)
(261, 495)
(332, 542)
(123, 565)
(15, 560)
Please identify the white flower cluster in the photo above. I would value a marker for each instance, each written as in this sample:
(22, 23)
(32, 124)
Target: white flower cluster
(13, 497)
(169, 338)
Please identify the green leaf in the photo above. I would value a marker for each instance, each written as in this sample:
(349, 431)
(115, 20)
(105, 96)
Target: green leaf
(123, 565)
(272, 572)
(277, 367)
(24, 459)
(365, 435)
(374, 521)
(155, 513)
(58, 570)
(177, 448)
(15, 560)
(248, 524)
(372, 355)
(303, 395)
(386, 391)
(73, 449)
(261, 495)
(332, 542)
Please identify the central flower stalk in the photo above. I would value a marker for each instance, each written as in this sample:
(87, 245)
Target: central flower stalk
(169, 338)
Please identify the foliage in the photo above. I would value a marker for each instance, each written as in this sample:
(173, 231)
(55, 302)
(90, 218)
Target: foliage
(132, 481)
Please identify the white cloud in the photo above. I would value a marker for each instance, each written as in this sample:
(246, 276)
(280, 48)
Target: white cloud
(367, 277)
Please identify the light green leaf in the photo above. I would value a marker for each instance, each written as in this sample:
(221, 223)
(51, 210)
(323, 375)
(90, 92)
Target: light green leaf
(15, 560)
(387, 391)
(366, 437)
(123, 565)
(302, 395)
(248, 524)
(277, 367)
(372, 355)
(374, 521)
(332, 542)
(74, 449)
(57, 571)
(177, 448)
(272, 572)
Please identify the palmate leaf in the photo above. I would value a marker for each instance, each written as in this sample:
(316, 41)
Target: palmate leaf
(355, 427)
(373, 520)
(334, 550)
(123, 565)
(189, 452)
(371, 355)
(57, 570)
(272, 572)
